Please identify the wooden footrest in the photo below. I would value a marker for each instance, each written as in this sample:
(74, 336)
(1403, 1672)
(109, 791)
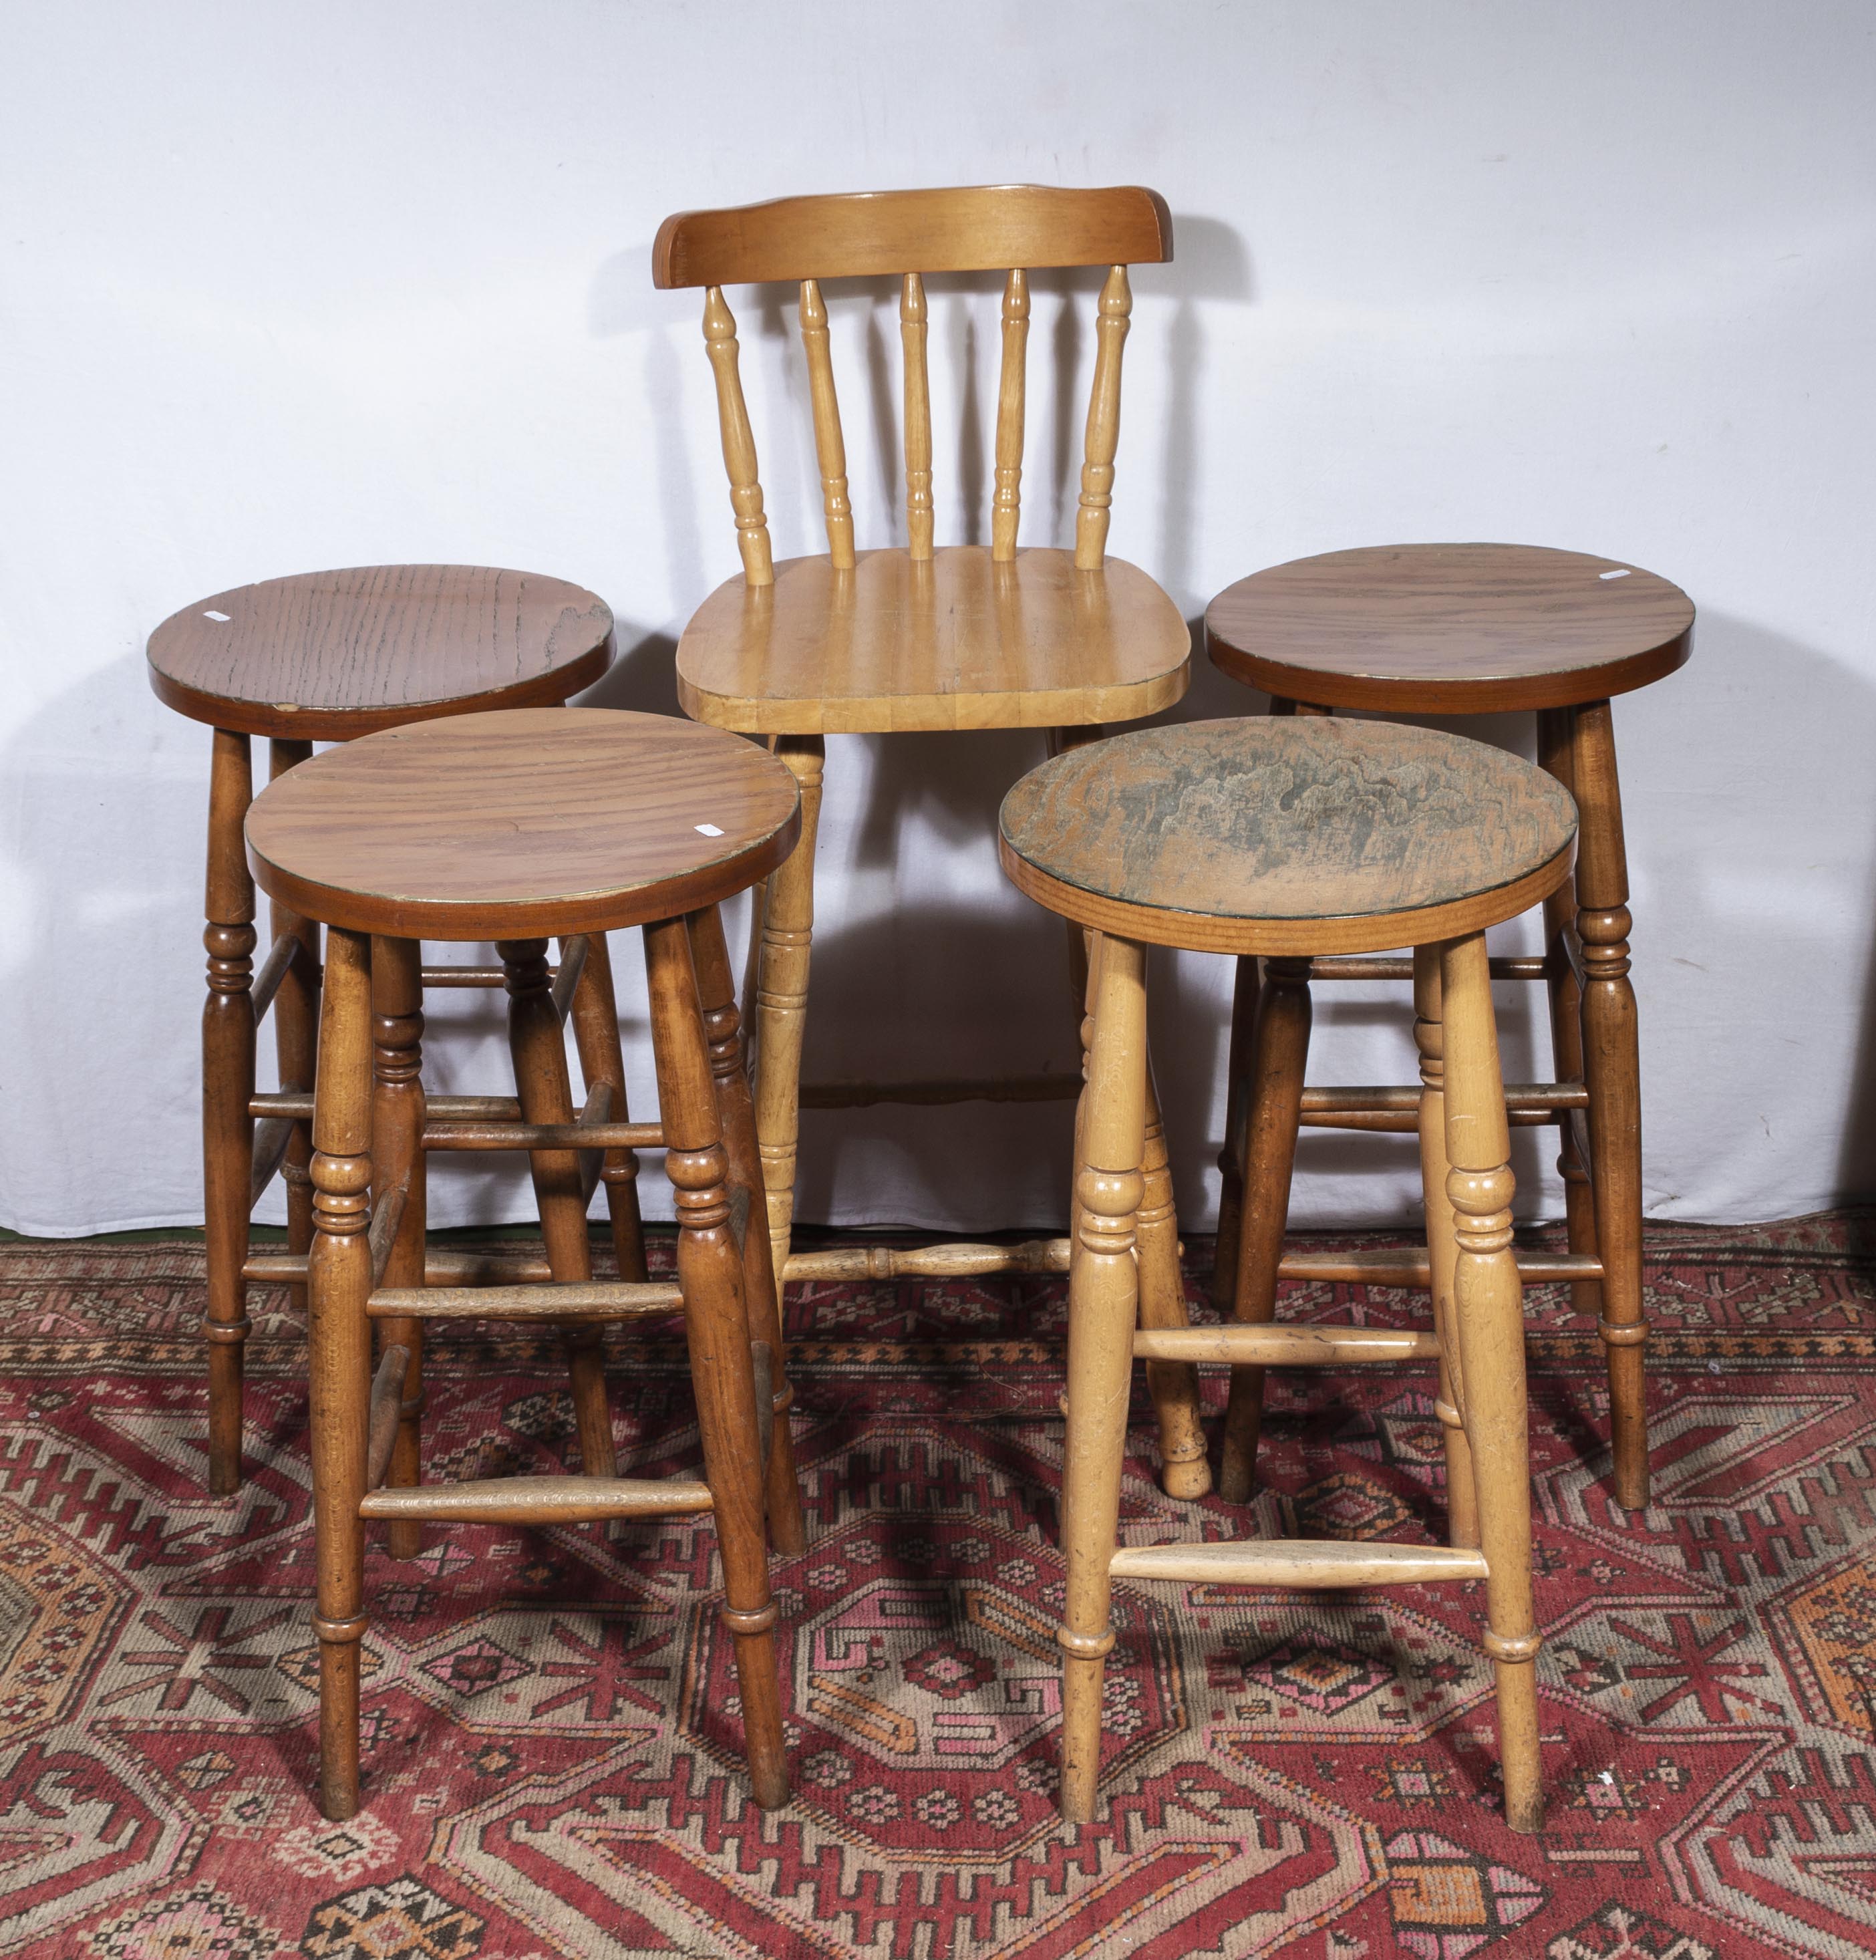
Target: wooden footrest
(440, 1269)
(1310, 1563)
(574, 1299)
(930, 1262)
(1406, 1266)
(1287, 1346)
(540, 1500)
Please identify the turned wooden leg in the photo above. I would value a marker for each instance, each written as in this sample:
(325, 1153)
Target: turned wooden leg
(540, 1074)
(781, 1001)
(1174, 1385)
(596, 1035)
(296, 1036)
(1103, 1289)
(1442, 1250)
(710, 1271)
(723, 1026)
(1274, 1089)
(1557, 734)
(1060, 740)
(227, 1086)
(338, 1283)
(1613, 1070)
(397, 1157)
(1231, 1155)
(1488, 1306)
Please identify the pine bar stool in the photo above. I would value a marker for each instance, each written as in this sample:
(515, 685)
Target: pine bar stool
(512, 827)
(323, 657)
(924, 637)
(1461, 629)
(1297, 838)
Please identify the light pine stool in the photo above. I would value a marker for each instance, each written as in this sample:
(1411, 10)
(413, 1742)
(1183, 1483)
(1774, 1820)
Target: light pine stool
(926, 636)
(323, 657)
(513, 827)
(1297, 838)
(1447, 630)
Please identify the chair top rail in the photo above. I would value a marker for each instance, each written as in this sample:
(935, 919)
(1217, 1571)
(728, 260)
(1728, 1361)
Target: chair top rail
(867, 234)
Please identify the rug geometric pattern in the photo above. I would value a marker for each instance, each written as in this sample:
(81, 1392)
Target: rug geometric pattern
(552, 1736)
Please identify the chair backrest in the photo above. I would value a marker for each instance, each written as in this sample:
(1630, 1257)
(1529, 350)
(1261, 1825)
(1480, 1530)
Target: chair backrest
(1020, 228)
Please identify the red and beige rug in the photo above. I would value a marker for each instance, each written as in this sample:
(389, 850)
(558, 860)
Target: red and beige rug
(551, 1734)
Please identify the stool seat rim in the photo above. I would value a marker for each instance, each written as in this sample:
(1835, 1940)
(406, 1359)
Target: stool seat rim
(1460, 628)
(1287, 836)
(328, 656)
(522, 823)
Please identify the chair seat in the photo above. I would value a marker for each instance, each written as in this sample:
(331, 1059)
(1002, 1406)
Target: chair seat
(330, 655)
(523, 824)
(956, 640)
(1296, 835)
(1450, 628)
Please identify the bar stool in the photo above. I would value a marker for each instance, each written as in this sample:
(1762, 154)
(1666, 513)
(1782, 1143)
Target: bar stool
(1296, 839)
(1461, 629)
(323, 657)
(512, 827)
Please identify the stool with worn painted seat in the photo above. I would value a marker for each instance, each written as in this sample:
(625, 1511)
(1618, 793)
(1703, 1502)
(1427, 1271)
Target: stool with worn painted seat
(1450, 630)
(513, 827)
(1296, 839)
(323, 658)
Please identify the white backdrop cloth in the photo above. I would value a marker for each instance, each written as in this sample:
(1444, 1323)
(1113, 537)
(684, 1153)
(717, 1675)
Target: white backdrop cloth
(308, 285)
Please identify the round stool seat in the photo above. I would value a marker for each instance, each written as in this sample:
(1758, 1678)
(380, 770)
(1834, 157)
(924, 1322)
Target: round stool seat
(522, 825)
(1450, 628)
(329, 655)
(1292, 835)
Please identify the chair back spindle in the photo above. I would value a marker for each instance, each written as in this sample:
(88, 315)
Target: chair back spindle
(1104, 423)
(738, 442)
(1007, 506)
(912, 337)
(829, 446)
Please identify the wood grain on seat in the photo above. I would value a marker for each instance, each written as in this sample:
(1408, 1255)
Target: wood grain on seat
(329, 655)
(1294, 835)
(523, 824)
(1450, 628)
(956, 641)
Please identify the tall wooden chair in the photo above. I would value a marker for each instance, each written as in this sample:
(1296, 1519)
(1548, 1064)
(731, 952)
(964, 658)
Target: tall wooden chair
(1448, 630)
(1296, 839)
(511, 827)
(322, 657)
(924, 636)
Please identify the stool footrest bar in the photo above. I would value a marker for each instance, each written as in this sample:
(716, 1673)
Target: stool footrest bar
(297, 1104)
(540, 1500)
(1307, 1562)
(1288, 1346)
(982, 1089)
(959, 1261)
(450, 1135)
(1362, 966)
(440, 1269)
(572, 1299)
(1406, 1266)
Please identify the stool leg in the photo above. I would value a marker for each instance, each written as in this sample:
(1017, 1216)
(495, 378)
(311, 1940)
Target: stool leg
(1060, 740)
(296, 1036)
(1556, 733)
(539, 1049)
(723, 1026)
(1103, 1289)
(397, 1157)
(781, 1001)
(339, 1282)
(596, 1035)
(711, 1273)
(1613, 1070)
(1231, 1155)
(1174, 1385)
(1488, 1306)
(1274, 1089)
(1442, 1251)
(227, 1086)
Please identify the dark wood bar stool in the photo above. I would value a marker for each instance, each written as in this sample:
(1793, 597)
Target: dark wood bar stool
(513, 827)
(323, 657)
(1297, 839)
(1449, 630)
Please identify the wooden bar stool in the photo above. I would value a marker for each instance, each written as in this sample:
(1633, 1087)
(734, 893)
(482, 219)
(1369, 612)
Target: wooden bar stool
(926, 637)
(1296, 839)
(323, 657)
(512, 827)
(1461, 629)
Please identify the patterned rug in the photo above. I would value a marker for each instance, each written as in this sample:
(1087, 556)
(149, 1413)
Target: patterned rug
(551, 1740)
